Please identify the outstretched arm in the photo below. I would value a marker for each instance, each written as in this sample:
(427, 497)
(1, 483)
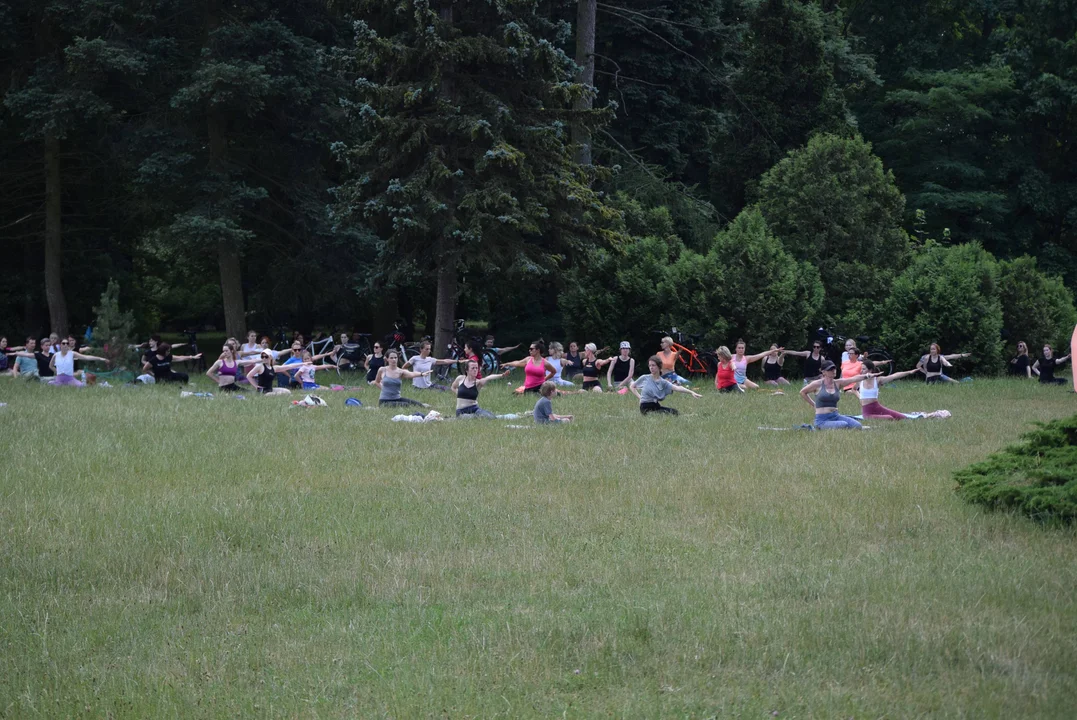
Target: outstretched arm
(760, 356)
(408, 374)
(897, 376)
(681, 388)
(483, 380)
(185, 358)
(797, 353)
(80, 356)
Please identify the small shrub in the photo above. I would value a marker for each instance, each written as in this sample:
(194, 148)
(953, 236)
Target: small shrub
(114, 328)
(1037, 478)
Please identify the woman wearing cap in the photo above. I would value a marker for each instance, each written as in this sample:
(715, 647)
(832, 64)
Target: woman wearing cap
(391, 377)
(652, 388)
(826, 400)
(622, 369)
(537, 369)
(467, 388)
(263, 375)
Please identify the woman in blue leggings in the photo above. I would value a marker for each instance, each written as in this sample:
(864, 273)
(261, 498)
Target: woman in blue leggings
(828, 392)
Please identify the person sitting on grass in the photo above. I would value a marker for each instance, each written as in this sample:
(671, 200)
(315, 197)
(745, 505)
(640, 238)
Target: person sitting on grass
(160, 363)
(467, 387)
(25, 361)
(424, 364)
(1045, 367)
(870, 407)
(725, 380)
(1021, 365)
(652, 388)
(543, 411)
(622, 368)
(537, 369)
(226, 371)
(304, 376)
(391, 377)
(264, 374)
(772, 368)
(826, 401)
(933, 363)
(741, 362)
(63, 364)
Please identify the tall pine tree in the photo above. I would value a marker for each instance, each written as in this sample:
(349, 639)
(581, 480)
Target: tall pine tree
(460, 156)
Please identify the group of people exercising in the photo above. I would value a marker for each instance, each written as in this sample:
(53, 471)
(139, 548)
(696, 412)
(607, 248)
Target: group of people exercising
(268, 371)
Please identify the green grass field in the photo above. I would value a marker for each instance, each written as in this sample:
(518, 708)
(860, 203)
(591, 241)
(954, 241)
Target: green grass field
(215, 558)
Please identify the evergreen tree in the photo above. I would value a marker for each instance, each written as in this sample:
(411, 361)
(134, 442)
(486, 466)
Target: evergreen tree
(460, 154)
(833, 205)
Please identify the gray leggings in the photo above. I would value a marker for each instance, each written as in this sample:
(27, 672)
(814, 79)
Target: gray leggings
(474, 411)
(834, 421)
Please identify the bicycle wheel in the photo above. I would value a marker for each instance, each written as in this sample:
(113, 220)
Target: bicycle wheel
(491, 362)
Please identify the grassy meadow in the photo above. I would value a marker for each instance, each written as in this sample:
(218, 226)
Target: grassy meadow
(168, 557)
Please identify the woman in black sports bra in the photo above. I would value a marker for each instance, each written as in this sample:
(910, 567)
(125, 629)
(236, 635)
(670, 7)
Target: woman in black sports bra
(622, 369)
(813, 361)
(467, 388)
(591, 366)
(772, 368)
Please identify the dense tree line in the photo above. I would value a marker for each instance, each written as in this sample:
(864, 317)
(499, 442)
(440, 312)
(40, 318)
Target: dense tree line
(744, 168)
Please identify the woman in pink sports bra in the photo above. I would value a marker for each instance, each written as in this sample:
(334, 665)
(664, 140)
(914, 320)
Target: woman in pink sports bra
(537, 369)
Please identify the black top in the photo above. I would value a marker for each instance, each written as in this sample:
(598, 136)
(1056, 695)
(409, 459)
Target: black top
(43, 368)
(935, 365)
(813, 366)
(590, 372)
(620, 368)
(467, 392)
(772, 369)
(574, 364)
(162, 368)
(265, 380)
(1019, 366)
(1047, 369)
(375, 363)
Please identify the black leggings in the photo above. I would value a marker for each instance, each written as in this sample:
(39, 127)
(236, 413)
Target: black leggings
(230, 387)
(652, 407)
(175, 377)
(1054, 381)
(399, 402)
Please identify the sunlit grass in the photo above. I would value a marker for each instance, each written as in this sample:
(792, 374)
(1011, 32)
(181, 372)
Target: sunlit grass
(189, 557)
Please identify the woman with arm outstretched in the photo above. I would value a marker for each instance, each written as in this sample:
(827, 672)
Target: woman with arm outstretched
(652, 388)
(424, 364)
(63, 364)
(870, 407)
(467, 388)
(263, 375)
(813, 361)
(772, 367)
(226, 371)
(1044, 368)
(828, 393)
(390, 379)
(537, 369)
(933, 363)
(741, 362)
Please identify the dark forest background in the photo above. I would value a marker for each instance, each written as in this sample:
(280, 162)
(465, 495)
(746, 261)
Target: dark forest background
(737, 168)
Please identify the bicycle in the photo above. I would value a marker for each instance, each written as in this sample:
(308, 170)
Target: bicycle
(353, 354)
(834, 345)
(695, 362)
(317, 346)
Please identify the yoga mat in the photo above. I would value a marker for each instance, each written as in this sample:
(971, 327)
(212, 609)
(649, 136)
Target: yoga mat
(1073, 358)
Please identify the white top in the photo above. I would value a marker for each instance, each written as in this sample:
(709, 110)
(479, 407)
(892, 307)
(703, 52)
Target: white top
(420, 364)
(65, 363)
(556, 362)
(871, 393)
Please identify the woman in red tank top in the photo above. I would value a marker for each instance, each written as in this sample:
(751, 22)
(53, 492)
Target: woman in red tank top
(725, 380)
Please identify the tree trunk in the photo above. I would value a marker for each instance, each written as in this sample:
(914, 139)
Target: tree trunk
(54, 290)
(585, 58)
(445, 314)
(228, 256)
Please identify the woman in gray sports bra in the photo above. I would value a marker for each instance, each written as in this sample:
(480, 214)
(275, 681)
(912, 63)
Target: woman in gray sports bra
(390, 377)
(828, 392)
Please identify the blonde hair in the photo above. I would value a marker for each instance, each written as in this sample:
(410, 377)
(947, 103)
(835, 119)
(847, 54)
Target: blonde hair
(556, 347)
(590, 347)
(723, 352)
(667, 339)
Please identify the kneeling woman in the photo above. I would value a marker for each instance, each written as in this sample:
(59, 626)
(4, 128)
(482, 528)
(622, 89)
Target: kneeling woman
(828, 393)
(870, 407)
(467, 387)
(652, 388)
(391, 377)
